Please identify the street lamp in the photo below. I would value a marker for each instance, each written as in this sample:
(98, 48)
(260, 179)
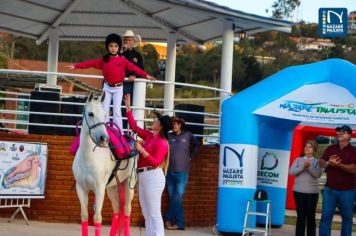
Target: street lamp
(242, 35)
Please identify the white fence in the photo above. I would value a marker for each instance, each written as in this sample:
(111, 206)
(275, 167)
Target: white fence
(15, 117)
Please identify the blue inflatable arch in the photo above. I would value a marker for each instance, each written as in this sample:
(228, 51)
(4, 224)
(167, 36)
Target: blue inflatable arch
(256, 132)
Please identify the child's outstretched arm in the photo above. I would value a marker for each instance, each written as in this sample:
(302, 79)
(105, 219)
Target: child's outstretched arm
(133, 68)
(97, 63)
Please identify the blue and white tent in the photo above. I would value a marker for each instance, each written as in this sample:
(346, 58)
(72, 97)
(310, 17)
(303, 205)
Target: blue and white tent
(256, 132)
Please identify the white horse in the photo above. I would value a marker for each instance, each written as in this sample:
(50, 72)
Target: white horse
(94, 164)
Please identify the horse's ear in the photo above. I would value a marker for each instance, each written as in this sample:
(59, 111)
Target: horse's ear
(102, 97)
(91, 96)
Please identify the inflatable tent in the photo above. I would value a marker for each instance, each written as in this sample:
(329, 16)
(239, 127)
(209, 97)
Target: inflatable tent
(256, 133)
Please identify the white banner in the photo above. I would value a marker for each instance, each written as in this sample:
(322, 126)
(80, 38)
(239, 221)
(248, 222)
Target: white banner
(273, 167)
(237, 167)
(23, 169)
(320, 103)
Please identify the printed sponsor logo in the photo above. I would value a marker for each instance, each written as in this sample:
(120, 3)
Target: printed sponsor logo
(232, 174)
(333, 22)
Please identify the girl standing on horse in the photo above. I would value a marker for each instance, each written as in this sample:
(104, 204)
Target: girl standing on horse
(153, 156)
(113, 67)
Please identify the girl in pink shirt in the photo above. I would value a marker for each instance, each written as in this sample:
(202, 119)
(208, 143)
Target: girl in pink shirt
(113, 67)
(153, 154)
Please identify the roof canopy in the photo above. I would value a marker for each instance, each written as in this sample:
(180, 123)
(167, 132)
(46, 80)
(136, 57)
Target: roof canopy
(194, 21)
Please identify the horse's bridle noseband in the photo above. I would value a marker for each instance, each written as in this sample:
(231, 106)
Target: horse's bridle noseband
(91, 127)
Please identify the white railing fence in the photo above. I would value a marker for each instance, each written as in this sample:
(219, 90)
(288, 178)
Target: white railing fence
(15, 106)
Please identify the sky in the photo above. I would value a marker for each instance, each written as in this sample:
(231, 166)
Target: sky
(307, 11)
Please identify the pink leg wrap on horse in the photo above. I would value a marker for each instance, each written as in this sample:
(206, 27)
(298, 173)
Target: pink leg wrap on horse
(114, 224)
(126, 225)
(121, 213)
(84, 228)
(97, 227)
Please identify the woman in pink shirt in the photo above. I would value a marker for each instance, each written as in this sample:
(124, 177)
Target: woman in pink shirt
(153, 155)
(114, 67)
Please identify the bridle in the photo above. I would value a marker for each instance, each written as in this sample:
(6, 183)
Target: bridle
(91, 127)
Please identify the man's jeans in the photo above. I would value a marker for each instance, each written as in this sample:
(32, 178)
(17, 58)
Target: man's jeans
(176, 184)
(345, 201)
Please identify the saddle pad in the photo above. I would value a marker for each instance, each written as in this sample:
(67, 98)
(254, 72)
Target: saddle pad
(119, 144)
(75, 145)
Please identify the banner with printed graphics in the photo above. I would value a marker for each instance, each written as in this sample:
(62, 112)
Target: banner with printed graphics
(23, 169)
(272, 169)
(317, 103)
(237, 166)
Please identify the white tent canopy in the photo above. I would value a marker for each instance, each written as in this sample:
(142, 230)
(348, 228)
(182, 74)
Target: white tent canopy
(194, 21)
(172, 21)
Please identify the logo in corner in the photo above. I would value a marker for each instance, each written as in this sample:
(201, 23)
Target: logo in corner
(333, 22)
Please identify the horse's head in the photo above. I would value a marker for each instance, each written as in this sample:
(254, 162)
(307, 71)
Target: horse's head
(94, 120)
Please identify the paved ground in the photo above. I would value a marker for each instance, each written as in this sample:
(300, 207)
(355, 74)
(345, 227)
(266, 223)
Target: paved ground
(36, 228)
(337, 217)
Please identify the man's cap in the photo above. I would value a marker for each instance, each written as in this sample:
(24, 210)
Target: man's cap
(344, 128)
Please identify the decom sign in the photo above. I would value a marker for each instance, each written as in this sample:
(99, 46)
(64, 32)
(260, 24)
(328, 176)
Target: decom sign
(273, 167)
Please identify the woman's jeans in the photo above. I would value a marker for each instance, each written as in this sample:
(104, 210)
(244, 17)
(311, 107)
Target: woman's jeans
(176, 185)
(336, 198)
(151, 185)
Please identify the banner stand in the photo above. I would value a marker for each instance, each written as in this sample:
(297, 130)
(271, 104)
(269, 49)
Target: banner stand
(18, 203)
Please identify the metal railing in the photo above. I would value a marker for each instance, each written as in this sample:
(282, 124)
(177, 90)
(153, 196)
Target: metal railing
(12, 121)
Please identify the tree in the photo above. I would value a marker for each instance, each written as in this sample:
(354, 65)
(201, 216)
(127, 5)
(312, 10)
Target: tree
(189, 58)
(336, 52)
(150, 59)
(25, 48)
(76, 51)
(251, 72)
(208, 66)
(305, 30)
(282, 9)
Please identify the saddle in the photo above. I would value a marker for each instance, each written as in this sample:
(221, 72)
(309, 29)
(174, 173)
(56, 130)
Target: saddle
(122, 146)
